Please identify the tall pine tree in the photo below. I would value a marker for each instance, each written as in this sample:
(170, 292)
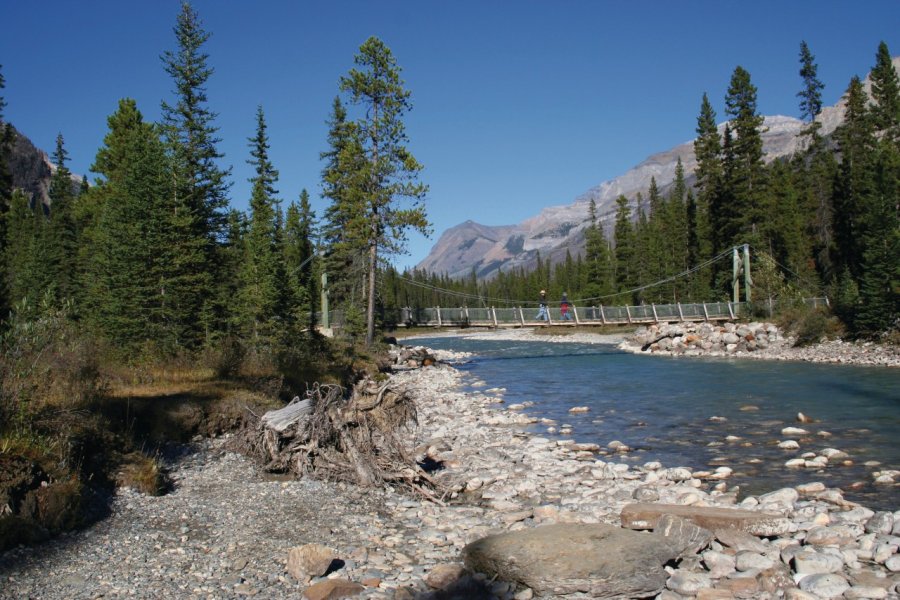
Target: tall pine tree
(390, 172)
(745, 182)
(886, 94)
(199, 185)
(263, 300)
(130, 275)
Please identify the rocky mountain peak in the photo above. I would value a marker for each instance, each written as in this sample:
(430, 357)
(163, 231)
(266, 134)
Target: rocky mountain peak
(557, 229)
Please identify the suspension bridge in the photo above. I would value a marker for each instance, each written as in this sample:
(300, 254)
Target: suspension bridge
(582, 312)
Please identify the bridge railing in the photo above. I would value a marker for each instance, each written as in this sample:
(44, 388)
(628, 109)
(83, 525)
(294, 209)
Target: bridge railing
(587, 315)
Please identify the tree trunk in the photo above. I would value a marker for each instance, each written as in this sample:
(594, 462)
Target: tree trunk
(370, 309)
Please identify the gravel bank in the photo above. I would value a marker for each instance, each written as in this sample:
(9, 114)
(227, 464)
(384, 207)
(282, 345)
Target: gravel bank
(225, 531)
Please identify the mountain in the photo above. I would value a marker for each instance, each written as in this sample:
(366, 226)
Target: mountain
(556, 229)
(31, 169)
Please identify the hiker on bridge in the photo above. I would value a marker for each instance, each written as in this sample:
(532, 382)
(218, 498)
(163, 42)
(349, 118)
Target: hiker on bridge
(564, 305)
(542, 308)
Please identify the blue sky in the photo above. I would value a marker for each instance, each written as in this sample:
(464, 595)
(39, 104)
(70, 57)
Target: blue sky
(516, 105)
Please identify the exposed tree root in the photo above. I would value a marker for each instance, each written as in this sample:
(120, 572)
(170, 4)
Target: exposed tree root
(340, 437)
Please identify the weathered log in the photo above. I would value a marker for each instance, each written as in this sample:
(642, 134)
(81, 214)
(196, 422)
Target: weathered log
(279, 420)
(646, 346)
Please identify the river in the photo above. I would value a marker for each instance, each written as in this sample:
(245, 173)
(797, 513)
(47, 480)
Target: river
(661, 407)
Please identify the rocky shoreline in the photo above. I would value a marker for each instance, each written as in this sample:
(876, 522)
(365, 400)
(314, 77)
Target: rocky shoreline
(226, 530)
(765, 341)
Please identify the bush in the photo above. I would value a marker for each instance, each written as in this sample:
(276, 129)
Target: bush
(45, 362)
(809, 325)
(226, 358)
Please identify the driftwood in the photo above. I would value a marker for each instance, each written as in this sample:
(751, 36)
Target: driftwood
(646, 346)
(356, 437)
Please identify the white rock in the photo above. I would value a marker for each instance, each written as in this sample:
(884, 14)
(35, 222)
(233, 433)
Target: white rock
(893, 564)
(826, 585)
(788, 431)
(789, 445)
(784, 497)
(677, 474)
(810, 562)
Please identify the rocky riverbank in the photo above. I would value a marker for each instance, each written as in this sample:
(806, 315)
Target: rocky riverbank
(226, 530)
(753, 340)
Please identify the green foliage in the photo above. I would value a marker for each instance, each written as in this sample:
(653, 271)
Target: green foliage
(385, 197)
(263, 294)
(811, 328)
(811, 93)
(200, 185)
(886, 94)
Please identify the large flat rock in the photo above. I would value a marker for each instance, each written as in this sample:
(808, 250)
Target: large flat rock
(645, 516)
(595, 560)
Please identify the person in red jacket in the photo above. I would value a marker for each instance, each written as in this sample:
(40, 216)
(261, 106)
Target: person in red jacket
(564, 306)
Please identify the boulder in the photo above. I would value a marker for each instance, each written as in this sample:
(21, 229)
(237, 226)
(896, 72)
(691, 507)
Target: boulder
(645, 516)
(310, 560)
(599, 561)
(333, 589)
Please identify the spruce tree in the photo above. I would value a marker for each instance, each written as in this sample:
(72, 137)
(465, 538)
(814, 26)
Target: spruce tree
(23, 272)
(624, 248)
(133, 274)
(744, 183)
(811, 93)
(855, 182)
(599, 278)
(58, 249)
(879, 282)
(263, 289)
(390, 172)
(676, 235)
(886, 94)
(299, 248)
(199, 185)
(344, 219)
(708, 152)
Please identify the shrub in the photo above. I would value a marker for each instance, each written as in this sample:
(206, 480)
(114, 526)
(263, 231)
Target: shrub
(45, 362)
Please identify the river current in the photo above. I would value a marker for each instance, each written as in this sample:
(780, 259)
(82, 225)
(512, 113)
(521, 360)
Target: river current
(662, 407)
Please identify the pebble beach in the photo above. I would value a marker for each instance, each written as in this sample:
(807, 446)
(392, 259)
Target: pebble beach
(226, 530)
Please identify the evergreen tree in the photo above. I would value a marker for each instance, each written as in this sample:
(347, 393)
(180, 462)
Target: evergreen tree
(855, 183)
(744, 184)
(879, 283)
(199, 184)
(708, 152)
(624, 249)
(676, 235)
(58, 250)
(811, 93)
(344, 220)
(6, 188)
(886, 94)
(815, 168)
(299, 248)
(599, 277)
(133, 272)
(23, 272)
(785, 225)
(390, 171)
(263, 297)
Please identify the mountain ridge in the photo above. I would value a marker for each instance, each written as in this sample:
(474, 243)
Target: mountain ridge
(558, 229)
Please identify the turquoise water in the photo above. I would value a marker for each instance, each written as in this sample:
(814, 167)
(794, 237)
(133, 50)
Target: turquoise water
(661, 407)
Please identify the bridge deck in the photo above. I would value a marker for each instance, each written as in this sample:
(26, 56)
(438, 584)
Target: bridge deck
(591, 315)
